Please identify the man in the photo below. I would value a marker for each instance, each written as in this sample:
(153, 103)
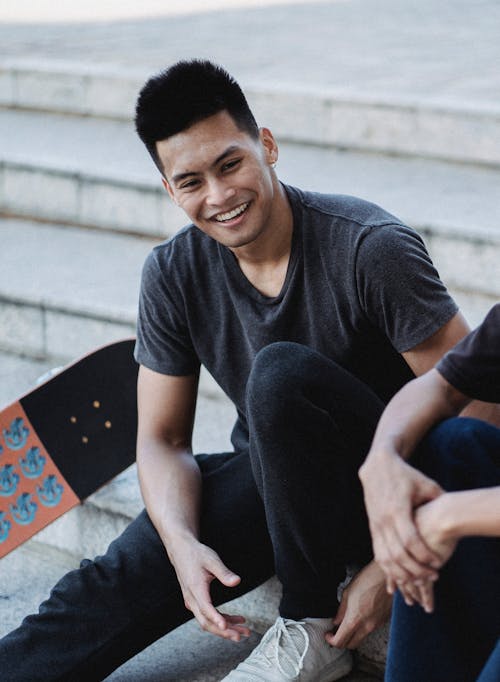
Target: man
(310, 311)
(463, 456)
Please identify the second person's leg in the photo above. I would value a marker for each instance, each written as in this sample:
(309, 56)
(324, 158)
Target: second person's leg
(454, 641)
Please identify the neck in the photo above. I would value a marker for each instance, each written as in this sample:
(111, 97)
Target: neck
(264, 262)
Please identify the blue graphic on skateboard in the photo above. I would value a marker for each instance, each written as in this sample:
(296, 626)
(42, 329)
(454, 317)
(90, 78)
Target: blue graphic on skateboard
(65, 439)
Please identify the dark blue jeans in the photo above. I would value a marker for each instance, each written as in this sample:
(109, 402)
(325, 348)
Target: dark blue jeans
(454, 643)
(491, 671)
(310, 425)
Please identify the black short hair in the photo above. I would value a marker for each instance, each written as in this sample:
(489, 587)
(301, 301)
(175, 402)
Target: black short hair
(185, 93)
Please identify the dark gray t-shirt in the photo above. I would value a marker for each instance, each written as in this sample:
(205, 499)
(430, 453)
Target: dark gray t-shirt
(360, 288)
(473, 366)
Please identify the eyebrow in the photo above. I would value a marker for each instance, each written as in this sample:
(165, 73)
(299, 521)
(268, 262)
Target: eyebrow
(227, 152)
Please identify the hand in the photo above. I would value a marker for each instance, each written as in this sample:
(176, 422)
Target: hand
(392, 489)
(420, 592)
(364, 607)
(197, 566)
(428, 519)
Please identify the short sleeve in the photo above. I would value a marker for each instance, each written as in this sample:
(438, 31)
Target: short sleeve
(473, 365)
(399, 288)
(163, 341)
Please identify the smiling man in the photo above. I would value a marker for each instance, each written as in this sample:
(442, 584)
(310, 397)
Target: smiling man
(218, 174)
(310, 311)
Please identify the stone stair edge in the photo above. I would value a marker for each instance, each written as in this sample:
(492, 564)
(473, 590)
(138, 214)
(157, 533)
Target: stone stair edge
(18, 65)
(70, 171)
(53, 67)
(298, 113)
(76, 212)
(150, 186)
(41, 329)
(66, 195)
(30, 334)
(468, 233)
(106, 313)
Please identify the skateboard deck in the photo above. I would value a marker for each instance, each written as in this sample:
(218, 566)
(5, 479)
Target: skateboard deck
(64, 439)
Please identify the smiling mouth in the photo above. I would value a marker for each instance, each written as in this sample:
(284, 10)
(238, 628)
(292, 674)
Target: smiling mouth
(231, 215)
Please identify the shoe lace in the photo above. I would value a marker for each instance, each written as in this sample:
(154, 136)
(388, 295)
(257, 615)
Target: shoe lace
(279, 638)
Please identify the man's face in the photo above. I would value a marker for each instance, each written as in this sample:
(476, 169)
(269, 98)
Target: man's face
(222, 178)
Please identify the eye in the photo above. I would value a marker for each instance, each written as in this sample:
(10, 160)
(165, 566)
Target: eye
(189, 185)
(230, 165)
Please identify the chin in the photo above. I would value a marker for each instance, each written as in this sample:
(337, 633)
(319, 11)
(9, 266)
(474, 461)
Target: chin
(239, 241)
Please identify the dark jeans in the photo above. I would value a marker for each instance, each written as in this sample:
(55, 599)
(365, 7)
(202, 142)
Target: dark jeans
(310, 424)
(455, 641)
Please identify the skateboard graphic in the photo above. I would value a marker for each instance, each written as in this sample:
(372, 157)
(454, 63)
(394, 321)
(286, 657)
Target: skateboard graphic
(64, 439)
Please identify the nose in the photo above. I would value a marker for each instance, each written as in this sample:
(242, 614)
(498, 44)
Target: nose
(218, 193)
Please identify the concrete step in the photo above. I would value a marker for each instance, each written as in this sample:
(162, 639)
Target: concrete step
(83, 171)
(66, 290)
(405, 124)
(95, 172)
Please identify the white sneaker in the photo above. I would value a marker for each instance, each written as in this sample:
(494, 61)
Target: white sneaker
(294, 650)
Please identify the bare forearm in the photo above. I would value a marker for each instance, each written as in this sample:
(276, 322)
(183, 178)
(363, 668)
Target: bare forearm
(393, 489)
(412, 412)
(171, 487)
(469, 512)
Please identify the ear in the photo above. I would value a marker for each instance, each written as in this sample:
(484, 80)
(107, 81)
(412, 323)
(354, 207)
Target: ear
(270, 145)
(169, 189)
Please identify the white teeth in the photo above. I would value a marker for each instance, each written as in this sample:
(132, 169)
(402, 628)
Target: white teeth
(232, 214)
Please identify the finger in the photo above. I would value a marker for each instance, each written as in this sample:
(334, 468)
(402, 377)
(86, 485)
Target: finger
(419, 559)
(428, 489)
(223, 573)
(409, 592)
(426, 596)
(333, 639)
(356, 638)
(400, 541)
(381, 556)
(339, 616)
(236, 623)
(342, 635)
(210, 620)
(396, 564)
(339, 639)
(203, 609)
(233, 619)
(391, 586)
(200, 601)
(232, 633)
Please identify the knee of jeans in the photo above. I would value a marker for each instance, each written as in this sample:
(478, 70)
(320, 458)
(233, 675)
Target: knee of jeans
(460, 453)
(277, 369)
